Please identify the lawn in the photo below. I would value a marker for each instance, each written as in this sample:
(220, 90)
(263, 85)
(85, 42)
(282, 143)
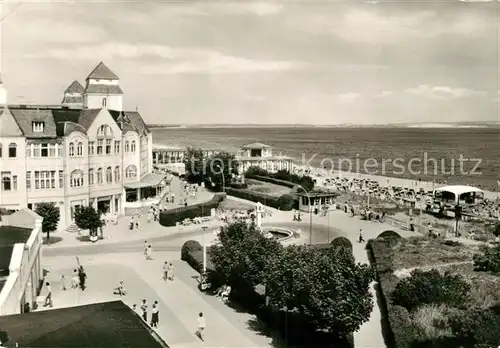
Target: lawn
(421, 252)
(266, 188)
(231, 204)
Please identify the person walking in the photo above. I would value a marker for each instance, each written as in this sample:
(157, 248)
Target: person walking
(137, 217)
(48, 298)
(63, 283)
(171, 271)
(144, 310)
(166, 268)
(75, 281)
(200, 332)
(149, 253)
(82, 276)
(131, 223)
(361, 239)
(155, 315)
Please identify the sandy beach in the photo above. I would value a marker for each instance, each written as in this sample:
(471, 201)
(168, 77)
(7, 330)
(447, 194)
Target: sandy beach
(384, 181)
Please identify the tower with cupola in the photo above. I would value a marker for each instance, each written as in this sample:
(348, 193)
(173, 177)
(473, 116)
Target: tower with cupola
(102, 90)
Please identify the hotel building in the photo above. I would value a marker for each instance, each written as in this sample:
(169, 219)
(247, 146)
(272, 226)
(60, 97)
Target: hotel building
(86, 151)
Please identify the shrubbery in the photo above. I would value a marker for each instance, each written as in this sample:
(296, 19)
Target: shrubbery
(188, 247)
(430, 287)
(172, 216)
(489, 261)
(270, 201)
(342, 242)
(192, 253)
(389, 235)
(282, 177)
(287, 202)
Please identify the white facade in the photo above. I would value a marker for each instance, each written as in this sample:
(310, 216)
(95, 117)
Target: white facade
(72, 157)
(25, 269)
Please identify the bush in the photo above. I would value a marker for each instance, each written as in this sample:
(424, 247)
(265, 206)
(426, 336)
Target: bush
(389, 235)
(188, 247)
(477, 326)
(194, 258)
(272, 180)
(172, 216)
(263, 198)
(287, 202)
(282, 177)
(342, 242)
(489, 261)
(430, 287)
(380, 250)
(254, 170)
(404, 334)
(431, 321)
(496, 230)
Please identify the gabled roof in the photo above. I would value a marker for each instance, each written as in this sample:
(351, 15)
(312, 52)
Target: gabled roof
(103, 89)
(8, 125)
(102, 72)
(72, 100)
(87, 117)
(132, 121)
(255, 146)
(75, 87)
(26, 116)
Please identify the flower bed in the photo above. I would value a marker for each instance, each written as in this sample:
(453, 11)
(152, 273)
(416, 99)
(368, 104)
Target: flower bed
(172, 216)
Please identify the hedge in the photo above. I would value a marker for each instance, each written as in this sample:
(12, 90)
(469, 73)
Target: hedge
(192, 253)
(398, 331)
(342, 242)
(272, 180)
(285, 202)
(172, 216)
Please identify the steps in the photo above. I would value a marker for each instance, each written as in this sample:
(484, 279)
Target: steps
(73, 229)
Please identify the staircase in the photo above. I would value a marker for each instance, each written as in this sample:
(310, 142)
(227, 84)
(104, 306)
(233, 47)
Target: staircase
(73, 229)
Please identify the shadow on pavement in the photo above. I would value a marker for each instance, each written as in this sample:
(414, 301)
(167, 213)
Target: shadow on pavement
(53, 240)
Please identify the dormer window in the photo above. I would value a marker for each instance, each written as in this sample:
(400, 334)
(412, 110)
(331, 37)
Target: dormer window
(38, 126)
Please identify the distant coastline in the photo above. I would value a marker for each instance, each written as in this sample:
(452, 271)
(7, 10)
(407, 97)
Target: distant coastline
(450, 125)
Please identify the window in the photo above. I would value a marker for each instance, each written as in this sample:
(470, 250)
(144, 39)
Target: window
(99, 176)
(105, 131)
(28, 180)
(45, 150)
(117, 174)
(132, 146)
(45, 179)
(12, 150)
(91, 147)
(61, 178)
(14, 182)
(71, 149)
(6, 181)
(52, 150)
(91, 177)
(131, 172)
(104, 102)
(127, 146)
(99, 147)
(117, 147)
(79, 149)
(37, 126)
(59, 150)
(0, 150)
(108, 146)
(109, 175)
(76, 178)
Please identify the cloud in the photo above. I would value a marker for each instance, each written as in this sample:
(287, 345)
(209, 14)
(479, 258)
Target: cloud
(258, 8)
(384, 94)
(444, 92)
(348, 97)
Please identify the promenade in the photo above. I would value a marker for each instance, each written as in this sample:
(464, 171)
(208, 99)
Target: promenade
(120, 257)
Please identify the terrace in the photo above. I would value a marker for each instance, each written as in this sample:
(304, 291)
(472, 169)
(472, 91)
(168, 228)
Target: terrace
(9, 235)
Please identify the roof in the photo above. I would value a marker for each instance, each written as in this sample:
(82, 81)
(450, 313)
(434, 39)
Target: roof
(10, 235)
(25, 116)
(86, 117)
(132, 121)
(24, 218)
(75, 87)
(72, 100)
(8, 125)
(102, 72)
(103, 89)
(265, 158)
(108, 324)
(316, 194)
(255, 146)
(458, 189)
(66, 128)
(150, 179)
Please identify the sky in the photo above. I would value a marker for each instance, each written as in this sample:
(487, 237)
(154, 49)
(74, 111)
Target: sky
(240, 62)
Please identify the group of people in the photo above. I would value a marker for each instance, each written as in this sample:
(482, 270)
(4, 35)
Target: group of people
(78, 279)
(223, 293)
(134, 221)
(155, 312)
(168, 271)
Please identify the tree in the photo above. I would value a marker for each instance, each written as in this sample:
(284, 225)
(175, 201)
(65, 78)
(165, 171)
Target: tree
(489, 260)
(194, 163)
(51, 216)
(220, 169)
(324, 285)
(243, 254)
(496, 230)
(87, 218)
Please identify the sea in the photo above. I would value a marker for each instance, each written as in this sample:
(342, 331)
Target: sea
(469, 156)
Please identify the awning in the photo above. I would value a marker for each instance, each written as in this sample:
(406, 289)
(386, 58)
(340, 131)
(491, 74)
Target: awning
(149, 180)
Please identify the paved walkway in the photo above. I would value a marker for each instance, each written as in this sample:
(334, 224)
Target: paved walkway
(180, 301)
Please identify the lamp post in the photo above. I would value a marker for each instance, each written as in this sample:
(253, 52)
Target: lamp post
(204, 227)
(223, 179)
(310, 212)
